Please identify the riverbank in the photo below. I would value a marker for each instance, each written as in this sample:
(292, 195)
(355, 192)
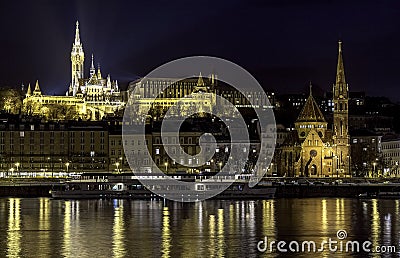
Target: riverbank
(42, 189)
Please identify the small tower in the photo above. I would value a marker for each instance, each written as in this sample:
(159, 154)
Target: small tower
(77, 59)
(29, 91)
(310, 118)
(341, 138)
(200, 86)
(108, 84)
(98, 72)
(37, 91)
(79, 93)
(92, 69)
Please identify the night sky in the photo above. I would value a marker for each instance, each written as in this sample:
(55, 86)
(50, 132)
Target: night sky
(283, 43)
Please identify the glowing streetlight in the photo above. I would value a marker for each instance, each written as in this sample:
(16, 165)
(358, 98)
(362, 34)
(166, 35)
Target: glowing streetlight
(220, 166)
(374, 167)
(17, 165)
(67, 165)
(117, 165)
(166, 166)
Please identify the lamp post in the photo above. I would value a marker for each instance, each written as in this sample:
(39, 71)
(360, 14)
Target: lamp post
(337, 166)
(17, 165)
(122, 164)
(117, 165)
(67, 165)
(12, 171)
(374, 173)
(220, 166)
(166, 167)
(272, 168)
(348, 157)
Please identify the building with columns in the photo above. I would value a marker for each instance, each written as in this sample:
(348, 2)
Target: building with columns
(90, 97)
(313, 149)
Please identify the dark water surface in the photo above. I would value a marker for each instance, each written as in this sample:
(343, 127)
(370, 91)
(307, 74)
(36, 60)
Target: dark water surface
(131, 228)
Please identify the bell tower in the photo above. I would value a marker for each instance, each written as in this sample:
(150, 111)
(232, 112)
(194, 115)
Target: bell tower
(341, 138)
(77, 59)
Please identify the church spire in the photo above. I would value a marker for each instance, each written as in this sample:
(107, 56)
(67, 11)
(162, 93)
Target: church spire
(77, 38)
(92, 68)
(340, 78)
(29, 91)
(98, 72)
(37, 90)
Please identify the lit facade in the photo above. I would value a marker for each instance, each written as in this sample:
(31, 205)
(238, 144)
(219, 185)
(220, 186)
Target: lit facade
(312, 149)
(89, 98)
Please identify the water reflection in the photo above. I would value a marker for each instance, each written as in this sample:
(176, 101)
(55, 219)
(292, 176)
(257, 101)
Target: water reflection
(166, 235)
(66, 247)
(132, 228)
(118, 230)
(14, 226)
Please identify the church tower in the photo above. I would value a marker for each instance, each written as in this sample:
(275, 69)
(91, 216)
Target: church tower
(341, 138)
(77, 59)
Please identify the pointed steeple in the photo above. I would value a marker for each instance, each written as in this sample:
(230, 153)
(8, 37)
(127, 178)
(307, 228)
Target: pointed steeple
(200, 82)
(311, 111)
(92, 68)
(37, 90)
(98, 72)
(116, 86)
(77, 38)
(200, 86)
(29, 91)
(79, 93)
(108, 84)
(340, 78)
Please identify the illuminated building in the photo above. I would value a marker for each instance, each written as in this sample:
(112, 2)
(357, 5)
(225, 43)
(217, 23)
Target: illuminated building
(87, 98)
(312, 149)
(197, 93)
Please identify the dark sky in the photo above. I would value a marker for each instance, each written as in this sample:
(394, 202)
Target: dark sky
(283, 43)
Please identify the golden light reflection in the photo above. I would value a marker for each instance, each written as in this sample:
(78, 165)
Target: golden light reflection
(118, 245)
(166, 234)
(14, 226)
(44, 218)
(232, 224)
(66, 247)
(375, 226)
(269, 225)
(211, 225)
(220, 236)
(340, 214)
(324, 217)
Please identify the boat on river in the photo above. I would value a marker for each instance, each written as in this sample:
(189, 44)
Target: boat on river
(101, 185)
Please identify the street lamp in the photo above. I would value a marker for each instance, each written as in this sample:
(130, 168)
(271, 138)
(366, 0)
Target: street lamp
(374, 167)
(220, 166)
(272, 168)
(166, 167)
(117, 165)
(122, 164)
(337, 166)
(17, 165)
(67, 165)
(12, 171)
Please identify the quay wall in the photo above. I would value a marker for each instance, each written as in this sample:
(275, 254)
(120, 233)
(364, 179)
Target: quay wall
(282, 191)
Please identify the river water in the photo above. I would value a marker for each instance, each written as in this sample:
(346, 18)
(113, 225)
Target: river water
(45, 227)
